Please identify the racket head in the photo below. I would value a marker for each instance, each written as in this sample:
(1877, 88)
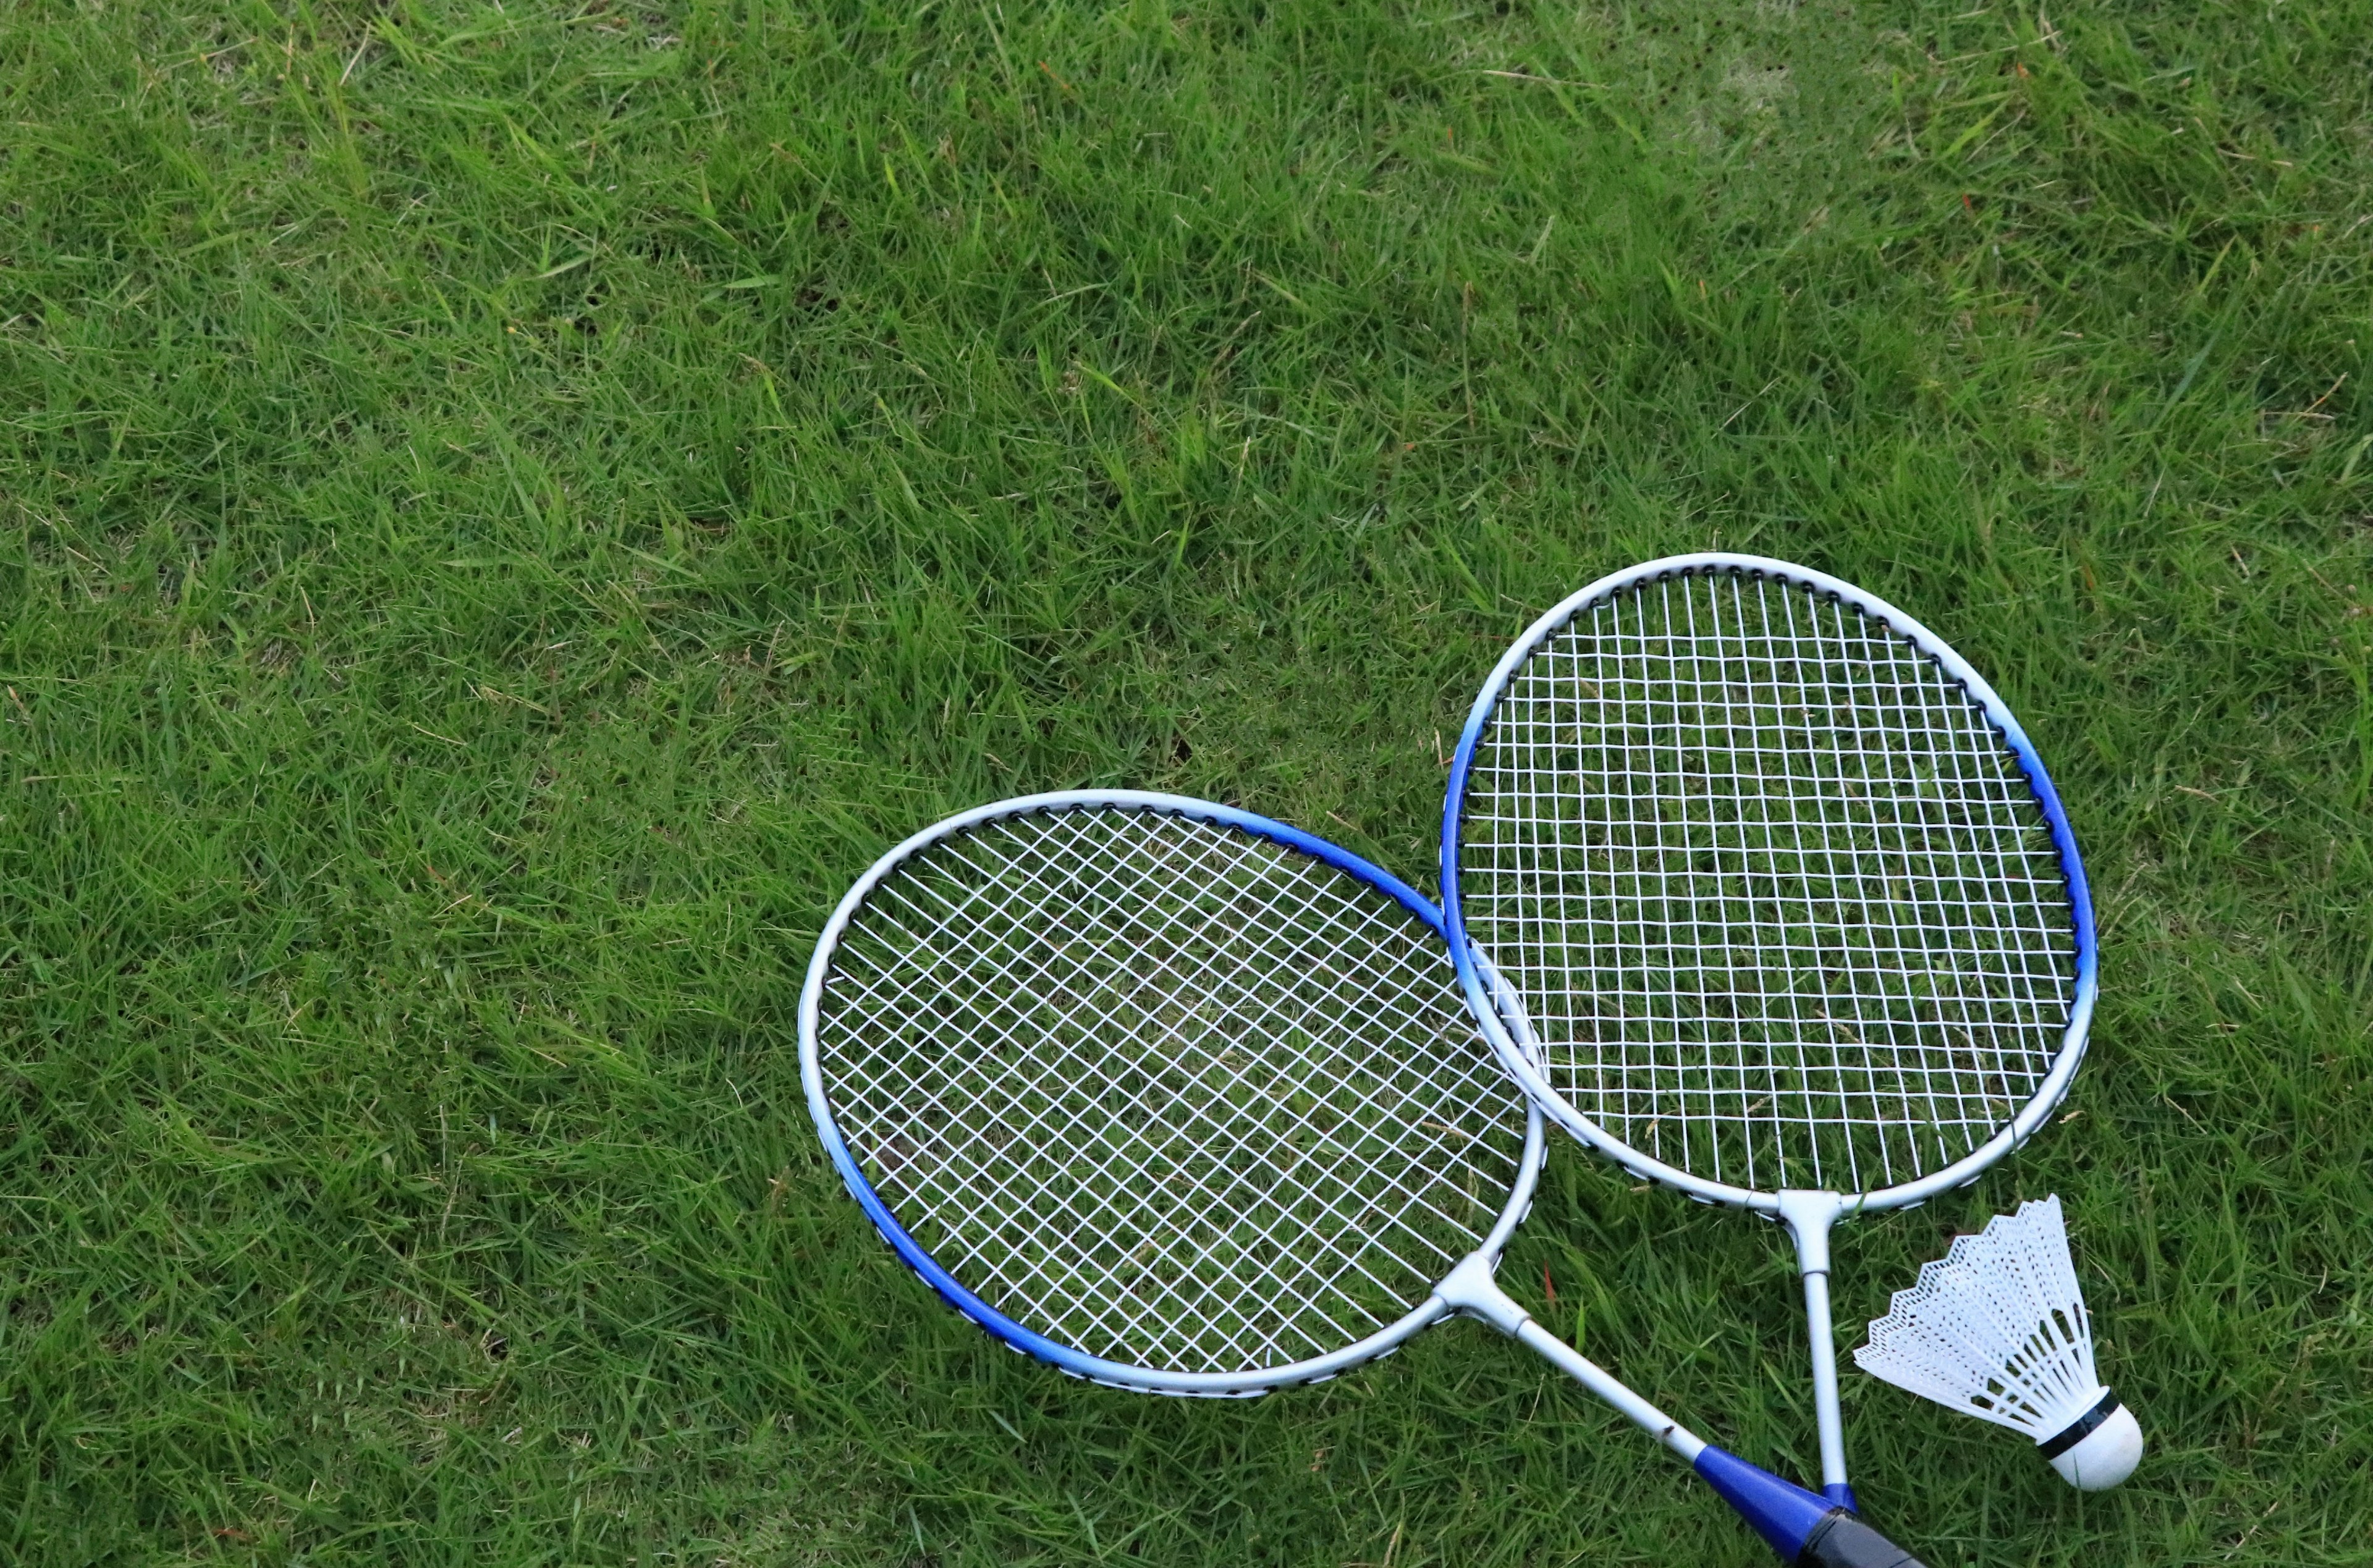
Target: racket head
(1040, 1009)
(1522, 1018)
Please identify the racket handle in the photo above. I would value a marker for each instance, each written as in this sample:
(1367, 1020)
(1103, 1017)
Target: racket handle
(1804, 1528)
(1841, 1541)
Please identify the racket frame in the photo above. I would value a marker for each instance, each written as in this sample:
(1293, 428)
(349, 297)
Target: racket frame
(1808, 1214)
(1018, 1336)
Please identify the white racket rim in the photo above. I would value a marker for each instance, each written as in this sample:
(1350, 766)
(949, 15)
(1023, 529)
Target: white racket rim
(1020, 1337)
(1503, 1020)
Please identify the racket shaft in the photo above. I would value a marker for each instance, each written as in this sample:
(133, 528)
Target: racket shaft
(1590, 1376)
(1471, 1288)
(1825, 1387)
(1809, 1216)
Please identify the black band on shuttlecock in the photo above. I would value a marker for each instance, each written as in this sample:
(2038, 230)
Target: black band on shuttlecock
(2082, 1427)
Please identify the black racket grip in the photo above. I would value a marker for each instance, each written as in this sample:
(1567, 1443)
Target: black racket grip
(1841, 1541)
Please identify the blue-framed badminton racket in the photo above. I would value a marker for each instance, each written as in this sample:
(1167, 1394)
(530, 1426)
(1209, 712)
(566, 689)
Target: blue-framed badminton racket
(1186, 1101)
(1758, 888)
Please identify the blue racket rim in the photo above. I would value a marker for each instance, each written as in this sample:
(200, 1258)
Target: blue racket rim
(1000, 1325)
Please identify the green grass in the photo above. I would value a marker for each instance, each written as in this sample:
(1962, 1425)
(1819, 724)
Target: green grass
(508, 509)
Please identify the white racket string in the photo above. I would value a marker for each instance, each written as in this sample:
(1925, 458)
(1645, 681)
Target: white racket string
(1163, 1090)
(1778, 900)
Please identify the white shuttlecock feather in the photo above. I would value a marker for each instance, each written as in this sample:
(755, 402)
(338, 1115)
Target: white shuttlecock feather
(1998, 1329)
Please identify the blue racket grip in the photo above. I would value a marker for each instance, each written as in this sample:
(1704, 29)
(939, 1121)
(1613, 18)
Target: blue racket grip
(1805, 1528)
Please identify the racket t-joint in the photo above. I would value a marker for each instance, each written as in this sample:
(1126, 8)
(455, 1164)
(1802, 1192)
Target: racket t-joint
(1809, 1216)
(1469, 1288)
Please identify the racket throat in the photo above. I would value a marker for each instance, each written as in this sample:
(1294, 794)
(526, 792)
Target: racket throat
(1471, 1288)
(1809, 1217)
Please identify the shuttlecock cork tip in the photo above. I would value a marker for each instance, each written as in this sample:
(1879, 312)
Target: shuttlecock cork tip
(2100, 1449)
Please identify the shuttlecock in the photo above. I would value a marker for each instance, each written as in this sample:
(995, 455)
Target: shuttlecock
(1996, 1329)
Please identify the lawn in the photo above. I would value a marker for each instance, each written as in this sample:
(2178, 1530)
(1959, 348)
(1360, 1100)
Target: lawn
(508, 509)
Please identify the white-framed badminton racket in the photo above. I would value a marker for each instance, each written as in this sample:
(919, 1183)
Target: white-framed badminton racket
(1186, 1101)
(1760, 890)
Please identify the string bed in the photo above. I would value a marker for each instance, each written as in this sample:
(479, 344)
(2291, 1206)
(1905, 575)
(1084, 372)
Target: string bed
(1779, 902)
(1163, 1090)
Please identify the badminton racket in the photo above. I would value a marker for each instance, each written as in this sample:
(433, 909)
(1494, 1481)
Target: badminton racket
(1758, 888)
(1184, 1101)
